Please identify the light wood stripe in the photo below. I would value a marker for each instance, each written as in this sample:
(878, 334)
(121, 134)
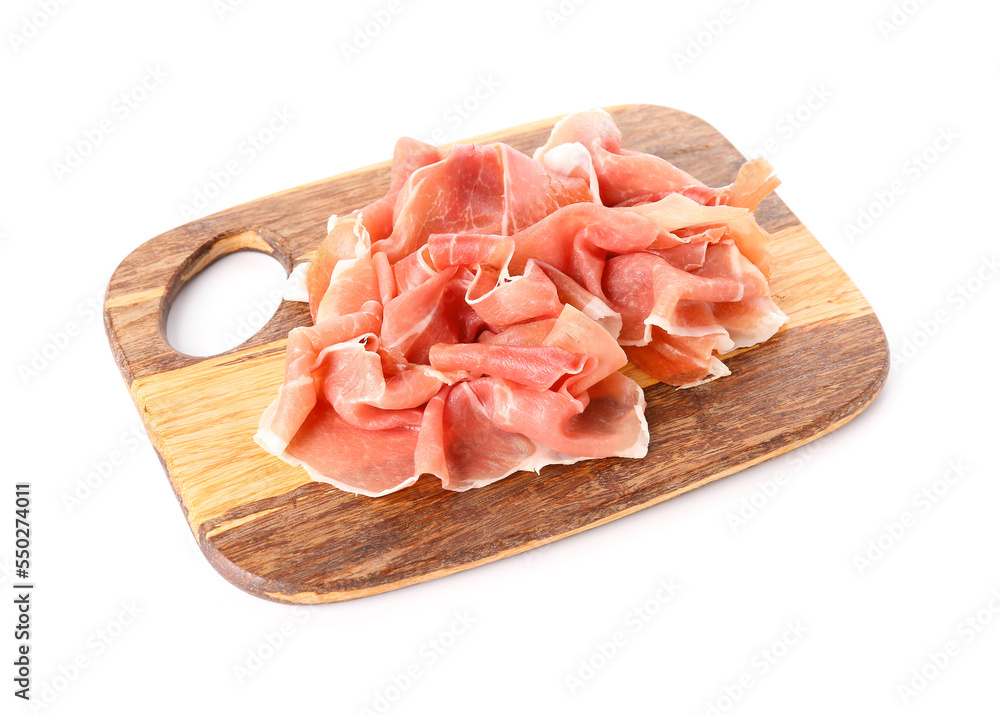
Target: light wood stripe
(140, 296)
(233, 523)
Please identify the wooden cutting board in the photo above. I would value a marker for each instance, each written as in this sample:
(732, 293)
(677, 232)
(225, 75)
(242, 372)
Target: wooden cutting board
(274, 533)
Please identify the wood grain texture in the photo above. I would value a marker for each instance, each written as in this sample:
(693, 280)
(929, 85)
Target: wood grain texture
(249, 510)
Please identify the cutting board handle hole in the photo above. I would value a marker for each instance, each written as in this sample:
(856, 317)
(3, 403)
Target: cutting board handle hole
(225, 294)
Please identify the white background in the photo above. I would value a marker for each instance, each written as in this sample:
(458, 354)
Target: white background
(890, 90)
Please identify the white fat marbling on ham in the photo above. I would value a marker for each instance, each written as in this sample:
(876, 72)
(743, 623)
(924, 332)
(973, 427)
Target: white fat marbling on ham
(573, 159)
(295, 288)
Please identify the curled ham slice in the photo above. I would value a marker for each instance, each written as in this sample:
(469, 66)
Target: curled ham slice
(588, 145)
(621, 174)
(475, 189)
(471, 323)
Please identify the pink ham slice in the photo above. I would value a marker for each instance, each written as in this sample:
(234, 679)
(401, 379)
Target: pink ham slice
(577, 239)
(537, 367)
(569, 292)
(622, 174)
(565, 369)
(353, 459)
(490, 189)
(646, 290)
(433, 312)
(749, 321)
(412, 270)
(532, 192)
(464, 192)
(297, 396)
(463, 447)
(606, 423)
(463, 249)
(374, 220)
(408, 156)
(688, 221)
(502, 302)
(355, 386)
(753, 183)
(532, 333)
(682, 360)
(340, 243)
(355, 285)
(589, 144)
(539, 291)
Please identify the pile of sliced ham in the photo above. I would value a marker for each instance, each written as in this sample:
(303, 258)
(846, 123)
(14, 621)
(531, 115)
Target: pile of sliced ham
(472, 322)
